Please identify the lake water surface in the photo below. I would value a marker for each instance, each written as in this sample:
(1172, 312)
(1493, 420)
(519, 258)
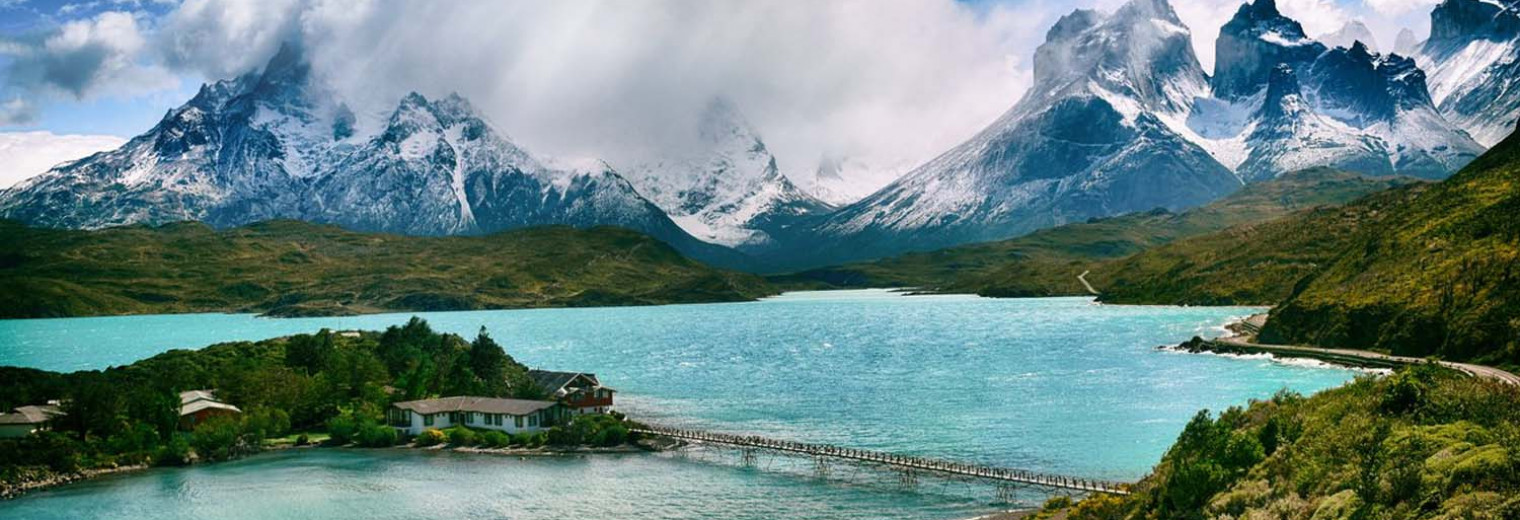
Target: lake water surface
(1057, 385)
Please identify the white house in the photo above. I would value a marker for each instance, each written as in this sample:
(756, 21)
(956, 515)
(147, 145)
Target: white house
(487, 413)
(581, 392)
(27, 419)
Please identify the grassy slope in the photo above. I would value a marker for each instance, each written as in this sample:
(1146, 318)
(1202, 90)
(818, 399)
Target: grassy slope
(1440, 275)
(1047, 262)
(294, 268)
(1418, 445)
(1418, 271)
(1253, 264)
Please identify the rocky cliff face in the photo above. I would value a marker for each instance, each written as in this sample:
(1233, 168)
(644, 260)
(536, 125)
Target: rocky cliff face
(1473, 59)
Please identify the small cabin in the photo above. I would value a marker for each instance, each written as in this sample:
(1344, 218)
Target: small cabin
(199, 406)
(486, 413)
(581, 392)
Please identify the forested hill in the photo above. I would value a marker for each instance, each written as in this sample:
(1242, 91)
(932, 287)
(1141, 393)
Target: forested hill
(293, 268)
(1440, 275)
(1430, 270)
(1047, 262)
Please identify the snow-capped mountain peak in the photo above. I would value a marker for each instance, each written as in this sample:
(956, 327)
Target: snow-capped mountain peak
(729, 190)
(1473, 61)
(275, 144)
(1349, 34)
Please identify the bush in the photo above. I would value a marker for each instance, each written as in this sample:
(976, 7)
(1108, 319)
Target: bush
(374, 435)
(267, 422)
(302, 440)
(175, 453)
(342, 428)
(431, 437)
(219, 438)
(461, 436)
(495, 439)
(523, 439)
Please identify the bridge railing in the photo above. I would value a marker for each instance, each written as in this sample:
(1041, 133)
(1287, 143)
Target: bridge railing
(891, 459)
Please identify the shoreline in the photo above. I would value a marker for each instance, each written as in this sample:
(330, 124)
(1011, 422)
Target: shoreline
(1241, 340)
(54, 480)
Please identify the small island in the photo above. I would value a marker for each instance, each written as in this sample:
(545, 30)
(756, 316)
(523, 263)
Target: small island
(406, 386)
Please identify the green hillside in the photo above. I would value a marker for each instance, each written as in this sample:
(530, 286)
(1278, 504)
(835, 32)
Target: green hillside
(292, 268)
(1421, 444)
(1429, 270)
(1439, 275)
(1252, 264)
(1047, 262)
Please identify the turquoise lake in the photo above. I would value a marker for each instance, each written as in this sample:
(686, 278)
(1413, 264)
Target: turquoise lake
(1057, 385)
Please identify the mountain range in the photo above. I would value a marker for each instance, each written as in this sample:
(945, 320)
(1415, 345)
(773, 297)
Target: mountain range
(1121, 118)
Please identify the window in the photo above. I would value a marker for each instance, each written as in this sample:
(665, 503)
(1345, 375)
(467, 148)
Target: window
(427, 420)
(517, 419)
(533, 420)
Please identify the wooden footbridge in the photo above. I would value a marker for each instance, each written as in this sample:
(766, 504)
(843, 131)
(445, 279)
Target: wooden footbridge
(907, 465)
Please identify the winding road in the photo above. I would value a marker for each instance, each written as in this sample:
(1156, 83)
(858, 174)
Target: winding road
(1247, 328)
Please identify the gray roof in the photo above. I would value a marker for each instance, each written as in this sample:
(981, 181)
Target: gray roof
(196, 395)
(31, 415)
(205, 404)
(551, 381)
(474, 404)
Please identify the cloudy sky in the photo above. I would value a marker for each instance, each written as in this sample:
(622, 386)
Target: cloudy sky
(892, 83)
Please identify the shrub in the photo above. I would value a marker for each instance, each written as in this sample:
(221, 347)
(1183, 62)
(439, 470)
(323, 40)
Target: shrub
(461, 436)
(523, 439)
(175, 453)
(342, 428)
(495, 439)
(431, 437)
(374, 435)
(219, 438)
(302, 440)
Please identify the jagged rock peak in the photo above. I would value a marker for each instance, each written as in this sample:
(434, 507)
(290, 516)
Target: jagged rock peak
(1453, 23)
(1252, 44)
(1142, 51)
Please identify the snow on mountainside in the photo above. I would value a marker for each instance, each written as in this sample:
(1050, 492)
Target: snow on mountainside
(1285, 102)
(1473, 59)
(1085, 141)
(274, 144)
(1354, 31)
(841, 180)
(729, 192)
(1122, 118)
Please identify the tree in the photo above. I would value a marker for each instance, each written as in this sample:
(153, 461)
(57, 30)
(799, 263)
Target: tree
(489, 362)
(309, 353)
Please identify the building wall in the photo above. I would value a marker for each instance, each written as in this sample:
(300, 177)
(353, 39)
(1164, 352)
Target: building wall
(509, 423)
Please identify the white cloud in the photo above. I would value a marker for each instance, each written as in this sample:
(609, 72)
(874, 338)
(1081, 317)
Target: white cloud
(85, 58)
(25, 154)
(17, 111)
(617, 79)
(1395, 8)
(220, 39)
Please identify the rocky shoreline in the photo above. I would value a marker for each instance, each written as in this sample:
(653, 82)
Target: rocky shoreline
(36, 478)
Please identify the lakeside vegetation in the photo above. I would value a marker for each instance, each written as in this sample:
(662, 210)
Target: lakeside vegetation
(305, 386)
(290, 268)
(1047, 262)
(1421, 444)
